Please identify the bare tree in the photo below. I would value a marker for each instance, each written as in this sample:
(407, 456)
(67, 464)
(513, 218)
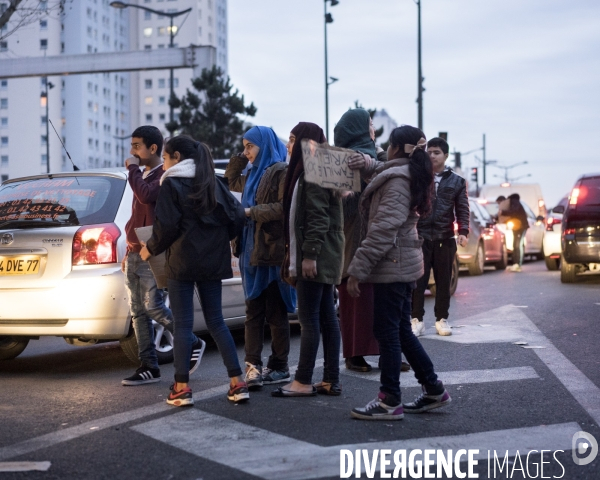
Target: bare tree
(25, 12)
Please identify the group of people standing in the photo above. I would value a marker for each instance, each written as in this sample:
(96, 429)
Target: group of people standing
(296, 242)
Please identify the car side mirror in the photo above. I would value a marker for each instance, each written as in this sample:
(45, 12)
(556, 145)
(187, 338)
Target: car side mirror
(558, 209)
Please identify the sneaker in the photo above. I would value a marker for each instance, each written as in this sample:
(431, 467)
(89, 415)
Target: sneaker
(270, 376)
(443, 327)
(384, 407)
(196, 357)
(143, 375)
(254, 378)
(181, 398)
(516, 268)
(433, 396)
(238, 393)
(418, 327)
(358, 364)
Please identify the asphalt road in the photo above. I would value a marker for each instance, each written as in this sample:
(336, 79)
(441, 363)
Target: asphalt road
(65, 405)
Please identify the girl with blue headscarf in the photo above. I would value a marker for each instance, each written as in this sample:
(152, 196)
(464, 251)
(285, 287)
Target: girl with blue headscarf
(262, 250)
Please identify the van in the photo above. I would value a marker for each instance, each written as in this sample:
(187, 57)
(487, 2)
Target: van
(530, 193)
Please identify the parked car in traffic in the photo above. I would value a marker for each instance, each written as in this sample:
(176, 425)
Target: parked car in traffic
(61, 244)
(534, 237)
(552, 235)
(580, 240)
(486, 245)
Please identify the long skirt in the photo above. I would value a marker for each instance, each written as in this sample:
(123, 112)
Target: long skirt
(356, 321)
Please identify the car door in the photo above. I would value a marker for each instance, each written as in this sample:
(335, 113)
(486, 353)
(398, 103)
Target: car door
(534, 236)
(491, 236)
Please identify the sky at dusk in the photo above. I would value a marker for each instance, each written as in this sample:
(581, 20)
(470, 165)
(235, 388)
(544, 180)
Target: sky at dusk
(525, 73)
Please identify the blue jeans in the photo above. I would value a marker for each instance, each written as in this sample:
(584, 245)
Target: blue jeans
(146, 303)
(316, 313)
(518, 246)
(181, 294)
(391, 326)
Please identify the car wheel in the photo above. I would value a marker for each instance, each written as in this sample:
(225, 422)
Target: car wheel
(503, 263)
(568, 272)
(552, 264)
(12, 347)
(477, 267)
(163, 344)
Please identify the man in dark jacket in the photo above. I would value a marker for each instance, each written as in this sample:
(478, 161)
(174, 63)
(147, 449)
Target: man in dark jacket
(450, 204)
(146, 301)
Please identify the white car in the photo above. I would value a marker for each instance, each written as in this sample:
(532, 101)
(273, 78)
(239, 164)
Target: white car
(534, 237)
(552, 235)
(62, 239)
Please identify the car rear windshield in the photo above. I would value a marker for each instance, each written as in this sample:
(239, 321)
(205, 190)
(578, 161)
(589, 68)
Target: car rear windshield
(75, 200)
(589, 192)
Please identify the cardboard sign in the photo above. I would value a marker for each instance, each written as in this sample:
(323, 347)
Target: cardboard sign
(157, 264)
(328, 166)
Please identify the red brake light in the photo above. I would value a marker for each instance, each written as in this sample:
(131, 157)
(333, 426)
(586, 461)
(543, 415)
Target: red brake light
(574, 196)
(96, 244)
(569, 231)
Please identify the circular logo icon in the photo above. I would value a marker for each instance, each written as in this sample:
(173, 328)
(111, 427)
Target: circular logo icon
(6, 239)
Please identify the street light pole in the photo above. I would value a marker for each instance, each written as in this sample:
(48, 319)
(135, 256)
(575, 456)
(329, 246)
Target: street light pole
(420, 72)
(171, 16)
(484, 162)
(44, 95)
(328, 19)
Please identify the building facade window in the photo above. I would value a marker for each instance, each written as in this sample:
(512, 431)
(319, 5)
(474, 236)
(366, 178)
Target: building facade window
(148, 83)
(161, 83)
(4, 122)
(3, 46)
(43, 44)
(3, 103)
(149, 117)
(3, 141)
(44, 159)
(4, 161)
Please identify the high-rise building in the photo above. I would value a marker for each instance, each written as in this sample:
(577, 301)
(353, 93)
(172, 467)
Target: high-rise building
(205, 24)
(95, 113)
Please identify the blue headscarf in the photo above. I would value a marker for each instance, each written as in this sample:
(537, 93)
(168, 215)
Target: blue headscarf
(272, 150)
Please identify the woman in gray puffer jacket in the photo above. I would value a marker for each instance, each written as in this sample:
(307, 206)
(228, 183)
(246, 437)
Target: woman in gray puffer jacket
(390, 257)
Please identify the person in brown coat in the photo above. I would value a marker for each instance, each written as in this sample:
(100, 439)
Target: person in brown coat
(262, 252)
(390, 257)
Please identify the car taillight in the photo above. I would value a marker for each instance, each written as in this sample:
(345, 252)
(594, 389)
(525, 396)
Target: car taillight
(569, 231)
(575, 194)
(96, 244)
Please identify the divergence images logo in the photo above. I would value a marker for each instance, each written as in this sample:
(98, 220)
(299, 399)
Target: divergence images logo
(586, 444)
(6, 239)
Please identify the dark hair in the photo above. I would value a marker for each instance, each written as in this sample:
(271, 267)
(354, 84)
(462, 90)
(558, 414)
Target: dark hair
(439, 143)
(203, 198)
(151, 136)
(514, 196)
(421, 169)
(501, 198)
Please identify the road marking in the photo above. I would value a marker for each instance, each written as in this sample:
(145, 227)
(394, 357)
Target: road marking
(511, 325)
(276, 456)
(407, 379)
(24, 466)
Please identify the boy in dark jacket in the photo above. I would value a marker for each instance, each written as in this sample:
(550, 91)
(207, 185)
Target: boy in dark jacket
(146, 301)
(450, 204)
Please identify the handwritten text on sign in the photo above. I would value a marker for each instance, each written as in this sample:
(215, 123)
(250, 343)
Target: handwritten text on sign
(328, 166)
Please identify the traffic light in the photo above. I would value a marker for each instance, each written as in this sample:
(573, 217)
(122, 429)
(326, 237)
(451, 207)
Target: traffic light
(474, 175)
(457, 161)
(443, 135)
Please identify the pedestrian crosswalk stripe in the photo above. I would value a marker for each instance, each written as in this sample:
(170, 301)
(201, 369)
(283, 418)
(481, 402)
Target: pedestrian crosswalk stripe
(463, 377)
(276, 456)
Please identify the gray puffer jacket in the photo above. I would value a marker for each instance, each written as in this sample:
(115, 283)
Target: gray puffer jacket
(391, 248)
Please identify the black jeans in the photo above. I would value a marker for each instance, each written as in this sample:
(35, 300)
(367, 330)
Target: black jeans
(316, 311)
(392, 329)
(270, 306)
(437, 255)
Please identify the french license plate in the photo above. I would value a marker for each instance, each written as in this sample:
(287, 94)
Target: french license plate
(19, 265)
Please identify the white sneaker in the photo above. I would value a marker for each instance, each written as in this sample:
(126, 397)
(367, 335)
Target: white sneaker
(418, 327)
(443, 327)
(516, 268)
